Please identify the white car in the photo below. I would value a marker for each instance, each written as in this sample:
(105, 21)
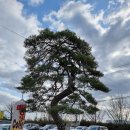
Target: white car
(5, 126)
(28, 126)
(96, 127)
(48, 127)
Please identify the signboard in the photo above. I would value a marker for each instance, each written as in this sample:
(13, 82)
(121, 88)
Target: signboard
(1, 115)
(18, 117)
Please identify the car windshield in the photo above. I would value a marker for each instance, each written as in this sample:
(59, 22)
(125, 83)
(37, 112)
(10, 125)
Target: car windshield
(26, 125)
(34, 125)
(46, 126)
(29, 125)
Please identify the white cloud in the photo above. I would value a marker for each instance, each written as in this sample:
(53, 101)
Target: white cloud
(7, 98)
(107, 33)
(35, 2)
(72, 10)
(12, 64)
(122, 13)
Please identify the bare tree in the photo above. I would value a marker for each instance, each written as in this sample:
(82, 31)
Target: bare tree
(118, 110)
(97, 117)
(9, 109)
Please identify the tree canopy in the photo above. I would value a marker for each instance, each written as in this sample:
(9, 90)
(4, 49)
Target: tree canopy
(61, 72)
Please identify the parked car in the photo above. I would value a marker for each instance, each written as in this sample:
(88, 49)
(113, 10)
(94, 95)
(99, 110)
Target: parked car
(48, 127)
(96, 127)
(81, 128)
(55, 128)
(31, 126)
(5, 126)
(72, 128)
(34, 128)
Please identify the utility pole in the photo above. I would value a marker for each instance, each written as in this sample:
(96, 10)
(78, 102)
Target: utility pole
(22, 94)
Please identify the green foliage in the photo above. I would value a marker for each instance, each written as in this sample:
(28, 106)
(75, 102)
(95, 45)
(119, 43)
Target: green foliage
(88, 97)
(58, 108)
(74, 111)
(60, 61)
(91, 109)
(65, 109)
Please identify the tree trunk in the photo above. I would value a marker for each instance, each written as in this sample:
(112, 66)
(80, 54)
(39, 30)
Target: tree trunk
(57, 119)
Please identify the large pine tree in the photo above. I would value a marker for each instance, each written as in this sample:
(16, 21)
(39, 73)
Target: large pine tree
(61, 71)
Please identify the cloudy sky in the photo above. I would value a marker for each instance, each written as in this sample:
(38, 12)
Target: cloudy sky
(104, 24)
